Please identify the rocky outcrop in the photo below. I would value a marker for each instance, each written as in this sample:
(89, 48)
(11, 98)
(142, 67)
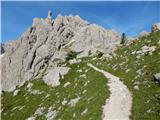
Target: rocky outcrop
(156, 27)
(54, 75)
(143, 33)
(48, 41)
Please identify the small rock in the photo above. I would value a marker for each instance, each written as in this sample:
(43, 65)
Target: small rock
(139, 72)
(157, 77)
(84, 91)
(74, 115)
(79, 70)
(16, 92)
(148, 101)
(29, 86)
(82, 76)
(73, 61)
(14, 108)
(35, 92)
(48, 95)
(31, 118)
(51, 115)
(149, 110)
(86, 70)
(21, 108)
(127, 70)
(74, 101)
(136, 87)
(64, 101)
(86, 84)
(39, 111)
(66, 84)
(85, 111)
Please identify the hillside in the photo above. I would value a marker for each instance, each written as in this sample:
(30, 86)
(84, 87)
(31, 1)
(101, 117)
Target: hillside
(66, 69)
(137, 72)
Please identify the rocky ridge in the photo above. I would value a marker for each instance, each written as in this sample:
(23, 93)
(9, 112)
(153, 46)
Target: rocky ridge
(47, 43)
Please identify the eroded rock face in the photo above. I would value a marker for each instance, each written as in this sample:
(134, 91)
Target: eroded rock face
(48, 41)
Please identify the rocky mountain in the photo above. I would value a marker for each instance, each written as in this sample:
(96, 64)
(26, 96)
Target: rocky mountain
(47, 42)
(68, 69)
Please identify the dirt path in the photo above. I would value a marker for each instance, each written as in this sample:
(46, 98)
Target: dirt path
(118, 106)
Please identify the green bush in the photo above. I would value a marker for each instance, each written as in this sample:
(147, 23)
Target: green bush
(99, 54)
(123, 38)
(89, 52)
(71, 55)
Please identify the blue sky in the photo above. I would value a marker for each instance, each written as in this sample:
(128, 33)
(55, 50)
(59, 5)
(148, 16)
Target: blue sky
(128, 17)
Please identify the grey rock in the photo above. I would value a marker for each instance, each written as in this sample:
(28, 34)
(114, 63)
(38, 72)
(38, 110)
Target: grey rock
(85, 111)
(35, 92)
(136, 87)
(144, 50)
(51, 114)
(39, 111)
(157, 76)
(31, 118)
(54, 75)
(16, 92)
(73, 61)
(47, 42)
(74, 101)
(66, 84)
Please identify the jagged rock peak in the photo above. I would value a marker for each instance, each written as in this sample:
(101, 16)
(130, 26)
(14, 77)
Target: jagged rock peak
(47, 42)
(49, 14)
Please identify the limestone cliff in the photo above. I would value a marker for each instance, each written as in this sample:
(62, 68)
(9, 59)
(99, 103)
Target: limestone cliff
(47, 41)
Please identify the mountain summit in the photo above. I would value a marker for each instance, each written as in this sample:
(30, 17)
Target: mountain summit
(47, 41)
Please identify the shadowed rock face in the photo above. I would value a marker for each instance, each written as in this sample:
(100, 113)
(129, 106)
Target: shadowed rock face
(47, 41)
(2, 48)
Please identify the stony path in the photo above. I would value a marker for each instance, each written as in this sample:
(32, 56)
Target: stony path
(118, 106)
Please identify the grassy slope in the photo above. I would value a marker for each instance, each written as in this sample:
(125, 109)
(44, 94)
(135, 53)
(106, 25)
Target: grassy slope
(146, 100)
(93, 99)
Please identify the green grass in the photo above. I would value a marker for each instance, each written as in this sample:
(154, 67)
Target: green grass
(146, 98)
(93, 99)
(146, 104)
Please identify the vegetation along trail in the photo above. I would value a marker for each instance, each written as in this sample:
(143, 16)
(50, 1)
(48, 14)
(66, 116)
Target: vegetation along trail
(118, 106)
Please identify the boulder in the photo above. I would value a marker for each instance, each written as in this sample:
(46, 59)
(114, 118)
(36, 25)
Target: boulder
(54, 75)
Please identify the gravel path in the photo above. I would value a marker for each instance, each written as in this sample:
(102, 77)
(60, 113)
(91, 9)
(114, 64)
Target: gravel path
(118, 106)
